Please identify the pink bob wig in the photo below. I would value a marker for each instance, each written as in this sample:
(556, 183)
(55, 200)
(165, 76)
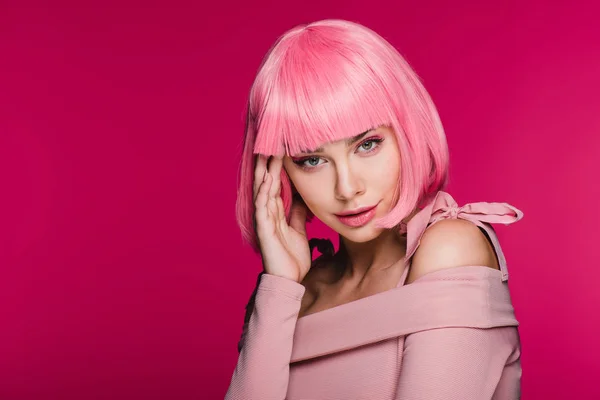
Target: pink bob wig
(330, 80)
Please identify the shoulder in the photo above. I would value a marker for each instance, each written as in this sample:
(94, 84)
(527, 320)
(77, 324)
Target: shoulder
(451, 243)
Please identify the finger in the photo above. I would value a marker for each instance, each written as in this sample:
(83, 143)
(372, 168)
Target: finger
(275, 171)
(280, 210)
(259, 172)
(298, 216)
(261, 202)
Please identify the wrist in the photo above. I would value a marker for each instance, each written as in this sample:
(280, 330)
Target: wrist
(282, 284)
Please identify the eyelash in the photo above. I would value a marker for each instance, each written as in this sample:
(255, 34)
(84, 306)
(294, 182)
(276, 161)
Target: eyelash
(377, 140)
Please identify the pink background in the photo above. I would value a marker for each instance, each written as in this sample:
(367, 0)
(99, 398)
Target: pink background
(122, 270)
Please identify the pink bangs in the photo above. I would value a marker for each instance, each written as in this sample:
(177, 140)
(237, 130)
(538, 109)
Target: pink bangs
(315, 89)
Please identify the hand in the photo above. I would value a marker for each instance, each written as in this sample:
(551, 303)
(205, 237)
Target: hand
(284, 248)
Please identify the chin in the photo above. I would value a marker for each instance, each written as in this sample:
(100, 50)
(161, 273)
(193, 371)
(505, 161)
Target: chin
(360, 235)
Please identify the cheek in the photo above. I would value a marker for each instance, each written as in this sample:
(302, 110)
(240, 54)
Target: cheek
(314, 189)
(384, 169)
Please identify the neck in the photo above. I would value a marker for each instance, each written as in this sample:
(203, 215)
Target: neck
(377, 255)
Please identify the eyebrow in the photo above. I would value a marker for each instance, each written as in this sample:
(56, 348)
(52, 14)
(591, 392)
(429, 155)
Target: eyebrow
(349, 142)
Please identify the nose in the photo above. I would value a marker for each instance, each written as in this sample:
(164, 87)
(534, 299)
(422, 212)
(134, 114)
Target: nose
(348, 184)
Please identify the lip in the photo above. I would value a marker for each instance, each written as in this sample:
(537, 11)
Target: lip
(355, 211)
(359, 217)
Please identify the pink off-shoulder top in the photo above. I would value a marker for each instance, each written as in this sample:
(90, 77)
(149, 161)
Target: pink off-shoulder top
(451, 334)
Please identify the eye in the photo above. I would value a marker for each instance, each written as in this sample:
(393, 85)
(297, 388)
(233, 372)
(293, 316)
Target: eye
(312, 161)
(308, 162)
(369, 145)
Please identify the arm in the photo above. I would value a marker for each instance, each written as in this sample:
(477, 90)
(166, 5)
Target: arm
(460, 363)
(324, 246)
(249, 309)
(262, 370)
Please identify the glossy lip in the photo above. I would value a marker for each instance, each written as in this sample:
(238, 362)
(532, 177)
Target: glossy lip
(355, 211)
(360, 219)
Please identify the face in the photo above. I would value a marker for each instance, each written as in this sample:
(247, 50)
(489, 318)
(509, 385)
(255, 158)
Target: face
(358, 175)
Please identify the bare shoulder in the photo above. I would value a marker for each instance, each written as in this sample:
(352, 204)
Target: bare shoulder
(451, 243)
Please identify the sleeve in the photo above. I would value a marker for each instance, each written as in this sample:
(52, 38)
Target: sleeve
(249, 309)
(262, 370)
(461, 363)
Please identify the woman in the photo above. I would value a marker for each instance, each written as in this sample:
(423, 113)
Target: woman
(415, 303)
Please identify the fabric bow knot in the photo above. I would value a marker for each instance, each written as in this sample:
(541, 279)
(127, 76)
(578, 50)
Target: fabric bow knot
(453, 212)
(482, 214)
(444, 206)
